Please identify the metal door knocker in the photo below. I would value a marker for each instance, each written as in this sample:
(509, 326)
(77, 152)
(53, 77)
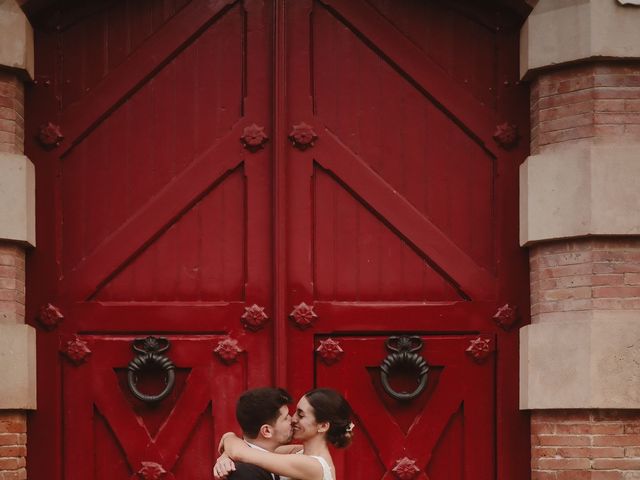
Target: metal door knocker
(403, 354)
(150, 356)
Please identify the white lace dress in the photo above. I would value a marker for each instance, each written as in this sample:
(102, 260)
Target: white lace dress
(326, 469)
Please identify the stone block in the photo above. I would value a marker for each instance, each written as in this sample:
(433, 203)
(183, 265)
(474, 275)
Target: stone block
(563, 31)
(588, 360)
(579, 191)
(16, 39)
(17, 199)
(18, 372)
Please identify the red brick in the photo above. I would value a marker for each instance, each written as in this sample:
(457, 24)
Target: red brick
(591, 452)
(611, 440)
(612, 279)
(590, 428)
(537, 475)
(545, 463)
(537, 452)
(13, 451)
(574, 475)
(10, 439)
(616, 292)
(616, 464)
(537, 428)
(565, 440)
(607, 475)
(12, 424)
(560, 416)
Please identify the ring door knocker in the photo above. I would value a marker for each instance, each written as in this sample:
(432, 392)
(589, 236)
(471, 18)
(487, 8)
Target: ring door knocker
(150, 356)
(403, 354)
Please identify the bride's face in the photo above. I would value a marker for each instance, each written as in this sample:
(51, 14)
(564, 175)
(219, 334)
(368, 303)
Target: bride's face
(304, 421)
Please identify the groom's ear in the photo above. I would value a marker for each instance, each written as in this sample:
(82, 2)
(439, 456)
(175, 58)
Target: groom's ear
(266, 431)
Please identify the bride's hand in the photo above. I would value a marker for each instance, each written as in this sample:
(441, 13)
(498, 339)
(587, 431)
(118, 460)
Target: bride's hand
(222, 439)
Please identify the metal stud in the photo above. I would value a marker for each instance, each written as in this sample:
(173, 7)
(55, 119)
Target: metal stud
(303, 315)
(228, 350)
(330, 351)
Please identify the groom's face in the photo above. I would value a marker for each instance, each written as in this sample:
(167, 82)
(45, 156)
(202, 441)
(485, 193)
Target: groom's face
(282, 431)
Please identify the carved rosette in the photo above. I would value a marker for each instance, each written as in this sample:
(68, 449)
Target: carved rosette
(151, 471)
(253, 137)
(506, 316)
(479, 349)
(254, 318)
(76, 350)
(405, 469)
(50, 135)
(49, 316)
(506, 135)
(228, 350)
(303, 136)
(303, 315)
(330, 351)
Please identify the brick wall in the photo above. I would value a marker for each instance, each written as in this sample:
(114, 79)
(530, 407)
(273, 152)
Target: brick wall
(585, 444)
(12, 283)
(11, 113)
(13, 425)
(585, 102)
(13, 445)
(585, 274)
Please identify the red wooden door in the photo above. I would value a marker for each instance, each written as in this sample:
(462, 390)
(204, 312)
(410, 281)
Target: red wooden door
(259, 182)
(154, 220)
(402, 220)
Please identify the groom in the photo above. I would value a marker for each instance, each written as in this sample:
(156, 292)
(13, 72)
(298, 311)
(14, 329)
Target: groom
(263, 415)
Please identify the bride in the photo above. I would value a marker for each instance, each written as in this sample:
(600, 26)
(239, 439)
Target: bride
(322, 416)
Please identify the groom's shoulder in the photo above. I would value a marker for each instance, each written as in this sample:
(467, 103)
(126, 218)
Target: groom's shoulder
(247, 471)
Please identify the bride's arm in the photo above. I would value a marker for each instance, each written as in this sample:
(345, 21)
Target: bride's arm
(294, 466)
(294, 448)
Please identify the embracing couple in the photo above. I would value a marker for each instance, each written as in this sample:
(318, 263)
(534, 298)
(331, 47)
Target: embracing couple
(322, 416)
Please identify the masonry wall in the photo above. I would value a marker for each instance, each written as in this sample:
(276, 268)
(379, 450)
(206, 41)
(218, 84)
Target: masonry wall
(580, 218)
(585, 444)
(13, 445)
(17, 225)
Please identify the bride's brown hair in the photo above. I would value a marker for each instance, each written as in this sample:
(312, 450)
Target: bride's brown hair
(329, 406)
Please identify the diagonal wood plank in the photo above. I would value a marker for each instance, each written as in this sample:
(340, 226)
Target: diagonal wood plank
(375, 419)
(429, 427)
(383, 37)
(172, 436)
(83, 115)
(126, 426)
(158, 213)
(367, 184)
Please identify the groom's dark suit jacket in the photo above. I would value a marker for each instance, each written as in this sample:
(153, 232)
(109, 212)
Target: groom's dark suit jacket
(246, 471)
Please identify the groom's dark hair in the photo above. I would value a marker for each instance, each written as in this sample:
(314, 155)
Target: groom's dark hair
(258, 407)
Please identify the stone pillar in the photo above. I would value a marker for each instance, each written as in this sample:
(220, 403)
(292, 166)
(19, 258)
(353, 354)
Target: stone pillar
(17, 234)
(580, 218)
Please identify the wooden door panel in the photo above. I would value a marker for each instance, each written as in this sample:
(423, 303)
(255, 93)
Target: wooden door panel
(192, 259)
(406, 136)
(141, 149)
(109, 431)
(127, 69)
(401, 221)
(161, 226)
(454, 419)
(358, 256)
